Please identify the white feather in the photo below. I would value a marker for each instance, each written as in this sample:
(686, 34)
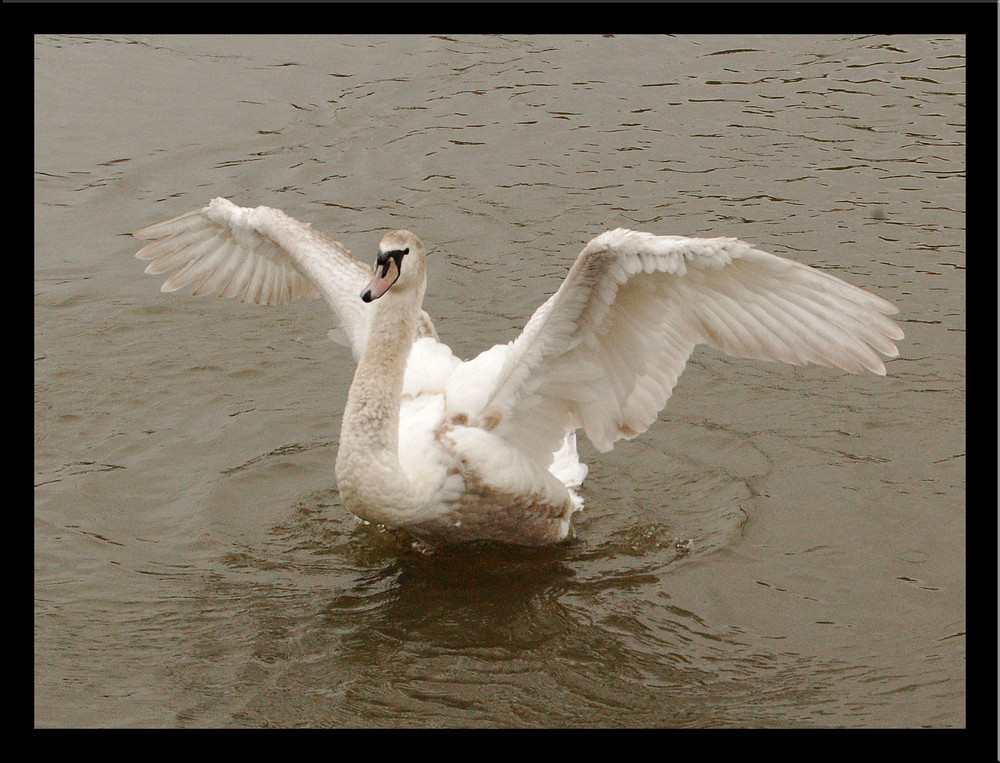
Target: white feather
(486, 449)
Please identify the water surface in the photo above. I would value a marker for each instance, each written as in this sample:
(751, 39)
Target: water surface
(785, 547)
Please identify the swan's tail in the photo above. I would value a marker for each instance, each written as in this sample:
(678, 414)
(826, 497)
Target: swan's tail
(566, 466)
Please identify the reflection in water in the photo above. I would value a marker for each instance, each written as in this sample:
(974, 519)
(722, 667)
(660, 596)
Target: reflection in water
(353, 625)
(491, 637)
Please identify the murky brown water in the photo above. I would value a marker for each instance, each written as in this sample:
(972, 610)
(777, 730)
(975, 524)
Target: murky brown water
(786, 547)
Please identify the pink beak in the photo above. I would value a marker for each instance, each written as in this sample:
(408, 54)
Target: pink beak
(385, 276)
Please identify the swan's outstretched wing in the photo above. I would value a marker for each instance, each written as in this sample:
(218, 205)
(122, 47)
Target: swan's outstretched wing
(263, 256)
(605, 351)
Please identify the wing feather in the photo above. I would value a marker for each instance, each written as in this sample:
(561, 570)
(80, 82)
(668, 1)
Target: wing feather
(605, 351)
(261, 255)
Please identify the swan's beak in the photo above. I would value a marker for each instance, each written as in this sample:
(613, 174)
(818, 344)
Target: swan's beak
(386, 274)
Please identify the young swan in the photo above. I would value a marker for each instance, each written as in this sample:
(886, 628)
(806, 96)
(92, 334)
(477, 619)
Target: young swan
(462, 482)
(485, 449)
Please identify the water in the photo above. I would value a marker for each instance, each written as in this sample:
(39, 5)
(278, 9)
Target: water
(785, 547)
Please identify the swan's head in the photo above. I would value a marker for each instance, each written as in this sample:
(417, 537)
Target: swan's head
(400, 263)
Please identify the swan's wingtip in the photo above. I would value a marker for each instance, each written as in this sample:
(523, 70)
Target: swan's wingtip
(144, 234)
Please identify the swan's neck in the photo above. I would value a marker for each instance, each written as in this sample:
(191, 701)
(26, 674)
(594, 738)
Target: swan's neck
(369, 477)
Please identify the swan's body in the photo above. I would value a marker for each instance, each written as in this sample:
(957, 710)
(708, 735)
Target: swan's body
(485, 449)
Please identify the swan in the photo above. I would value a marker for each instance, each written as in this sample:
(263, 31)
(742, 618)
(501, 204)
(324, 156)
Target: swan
(485, 449)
